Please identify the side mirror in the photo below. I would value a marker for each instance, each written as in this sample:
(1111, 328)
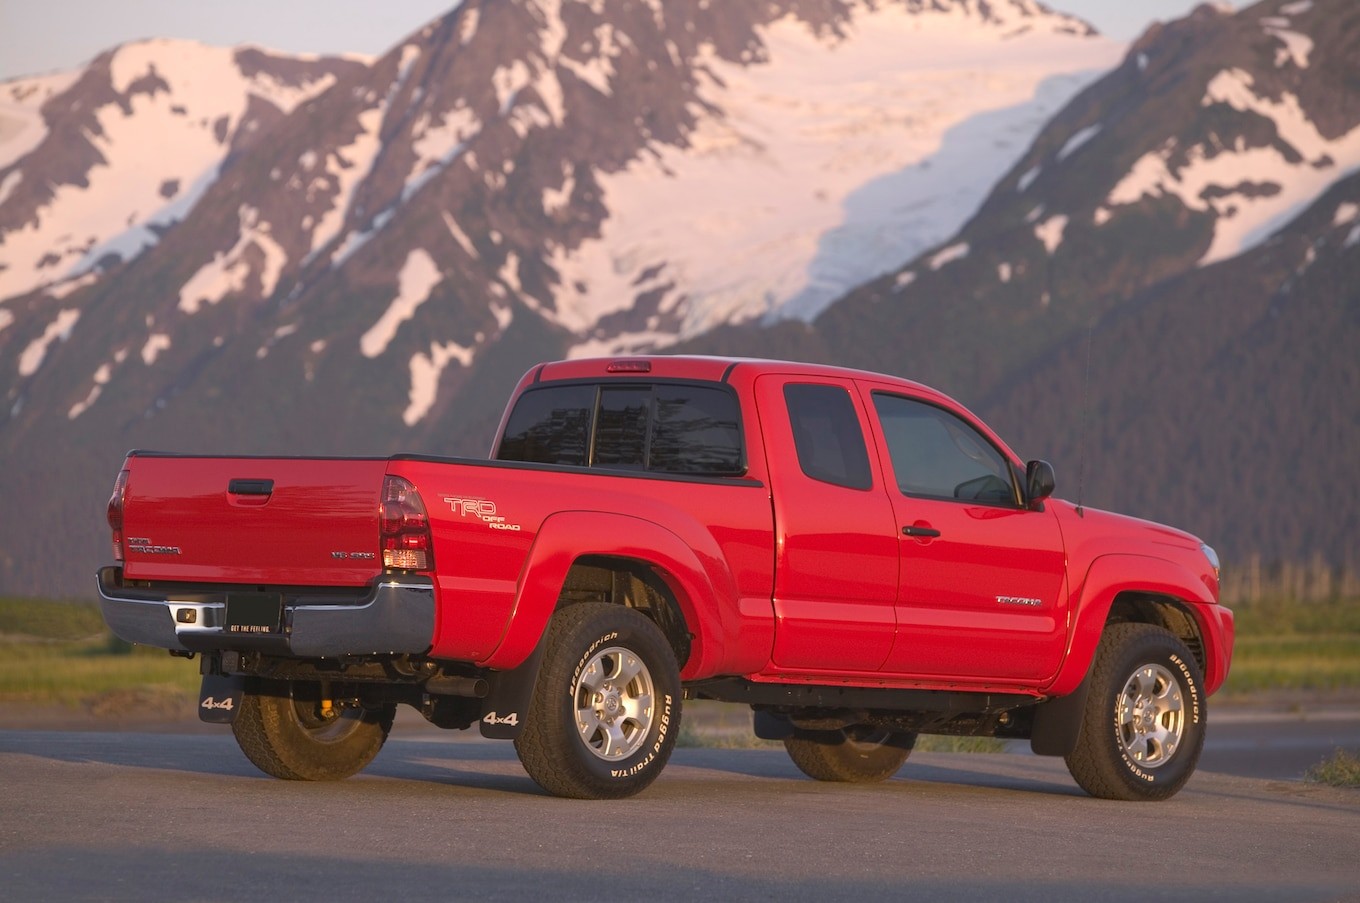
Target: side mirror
(1039, 481)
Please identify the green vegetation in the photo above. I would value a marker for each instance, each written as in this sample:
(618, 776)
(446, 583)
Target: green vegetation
(42, 619)
(1283, 644)
(1341, 770)
(940, 743)
(60, 653)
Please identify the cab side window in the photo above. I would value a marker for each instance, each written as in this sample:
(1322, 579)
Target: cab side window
(937, 455)
(827, 435)
(550, 426)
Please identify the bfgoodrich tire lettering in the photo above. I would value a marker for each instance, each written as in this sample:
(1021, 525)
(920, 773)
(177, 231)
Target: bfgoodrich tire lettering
(285, 731)
(1143, 728)
(857, 754)
(606, 706)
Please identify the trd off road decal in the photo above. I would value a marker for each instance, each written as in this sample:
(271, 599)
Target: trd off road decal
(483, 510)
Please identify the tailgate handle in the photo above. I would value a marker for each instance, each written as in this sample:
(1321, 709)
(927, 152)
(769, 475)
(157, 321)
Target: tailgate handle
(250, 487)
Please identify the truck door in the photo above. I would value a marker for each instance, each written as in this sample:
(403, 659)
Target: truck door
(982, 591)
(836, 551)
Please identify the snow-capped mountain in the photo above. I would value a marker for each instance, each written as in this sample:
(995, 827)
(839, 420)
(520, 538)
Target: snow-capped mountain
(1163, 294)
(369, 266)
(96, 164)
(630, 174)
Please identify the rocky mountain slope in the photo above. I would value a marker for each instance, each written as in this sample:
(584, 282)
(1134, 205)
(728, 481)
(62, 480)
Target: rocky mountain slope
(375, 257)
(373, 251)
(1188, 227)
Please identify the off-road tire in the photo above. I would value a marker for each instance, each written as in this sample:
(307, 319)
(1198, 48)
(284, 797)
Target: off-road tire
(859, 754)
(281, 729)
(1143, 727)
(605, 711)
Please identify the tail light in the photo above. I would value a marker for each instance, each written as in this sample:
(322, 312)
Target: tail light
(407, 544)
(116, 513)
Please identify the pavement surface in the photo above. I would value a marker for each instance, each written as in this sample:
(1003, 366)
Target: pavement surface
(134, 815)
(119, 816)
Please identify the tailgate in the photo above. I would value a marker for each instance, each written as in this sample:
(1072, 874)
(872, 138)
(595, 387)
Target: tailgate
(277, 521)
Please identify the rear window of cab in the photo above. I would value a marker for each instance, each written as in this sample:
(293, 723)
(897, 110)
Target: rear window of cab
(671, 428)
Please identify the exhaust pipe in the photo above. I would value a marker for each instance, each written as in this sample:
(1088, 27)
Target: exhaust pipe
(471, 687)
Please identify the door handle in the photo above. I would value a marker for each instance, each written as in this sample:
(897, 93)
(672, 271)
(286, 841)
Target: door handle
(250, 487)
(920, 531)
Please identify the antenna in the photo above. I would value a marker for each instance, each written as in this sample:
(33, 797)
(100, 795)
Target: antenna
(1085, 397)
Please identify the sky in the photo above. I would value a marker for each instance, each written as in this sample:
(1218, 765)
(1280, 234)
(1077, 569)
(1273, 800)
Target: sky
(57, 35)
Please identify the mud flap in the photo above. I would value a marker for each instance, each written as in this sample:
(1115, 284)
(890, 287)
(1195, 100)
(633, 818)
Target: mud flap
(507, 701)
(1057, 723)
(219, 697)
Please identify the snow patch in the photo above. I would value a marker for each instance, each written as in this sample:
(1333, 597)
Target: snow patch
(1077, 140)
(1027, 178)
(418, 277)
(508, 82)
(6, 318)
(504, 316)
(9, 183)
(597, 70)
(59, 330)
(1217, 181)
(557, 199)
(346, 167)
(904, 279)
(22, 127)
(155, 344)
(459, 235)
(825, 162)
(949, 255)
(62, 289)
(101, 379)
(1297, 47)
(227, 273)
(1004, 272)
(439, 146)
(120, 208)
(1296, 9)
(425, 373)
(1050, 232)
(467, 25)
(1346, 212)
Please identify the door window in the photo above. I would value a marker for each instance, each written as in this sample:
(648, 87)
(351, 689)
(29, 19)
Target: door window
(937, 455)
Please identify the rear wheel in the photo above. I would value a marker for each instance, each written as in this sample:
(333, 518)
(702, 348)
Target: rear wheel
(288, 730)
(606, 706)
(1143, 727)
(857, 754)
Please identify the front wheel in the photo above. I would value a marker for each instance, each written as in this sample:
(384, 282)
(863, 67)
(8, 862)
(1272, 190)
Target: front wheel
(606, 706)
(1143, 727)
(857, 754)
(289, 730)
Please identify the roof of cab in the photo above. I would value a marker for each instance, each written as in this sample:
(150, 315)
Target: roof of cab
(696, 367)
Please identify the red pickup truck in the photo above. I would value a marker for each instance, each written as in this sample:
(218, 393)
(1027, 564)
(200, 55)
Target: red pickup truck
(856, 557)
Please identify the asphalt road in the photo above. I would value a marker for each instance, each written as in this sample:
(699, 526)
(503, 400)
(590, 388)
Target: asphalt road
(135, 816)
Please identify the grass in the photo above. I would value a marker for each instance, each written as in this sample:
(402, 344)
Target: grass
(1290, 645)
(60, 653)
(48, 620)
(1341, 770)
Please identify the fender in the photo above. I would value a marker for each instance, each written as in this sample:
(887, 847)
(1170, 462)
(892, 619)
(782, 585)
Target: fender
(695, 573)
(1110, 575)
